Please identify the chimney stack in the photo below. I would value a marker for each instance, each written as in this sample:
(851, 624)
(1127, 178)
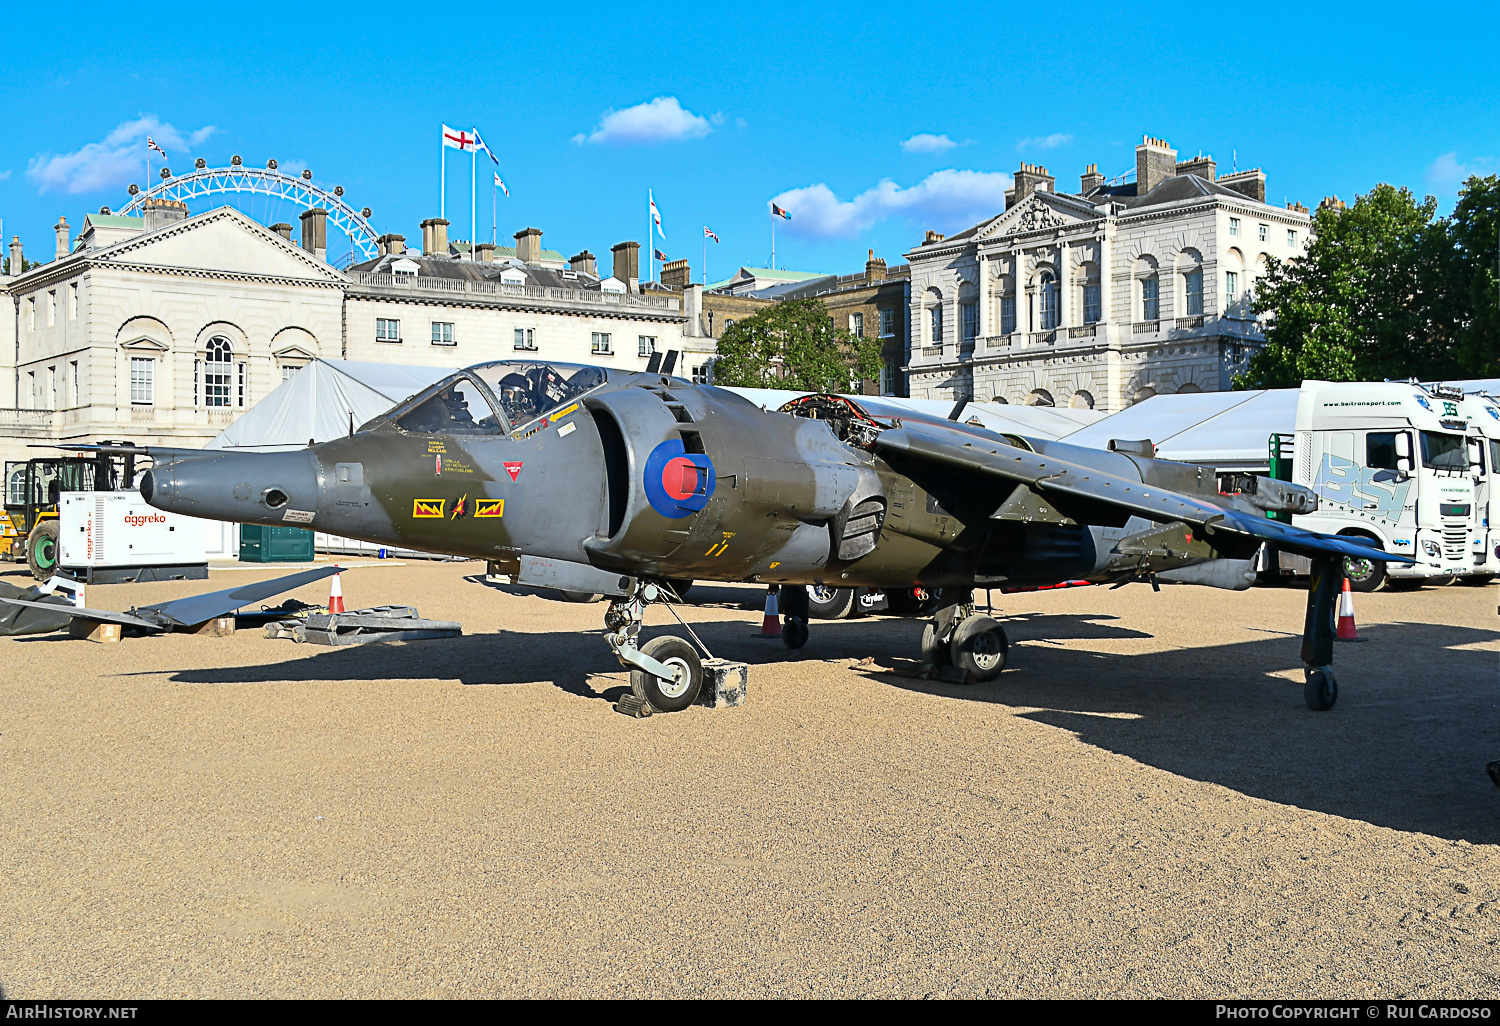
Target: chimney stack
(874, 269)
(315, 232)
(628, 264)
(529, 246)
(583, 263)
(1031, 178)
(485, 252)
(64, 237)
(159, 213)
(932, 237)
(676, 273)
(692, 309)
(1203, 167)
(17, 261)
(1329, 203)
(1090, 180)
(283, 229)
(434, 237)
(1155, 162)
(389, 244)
(1250, 183)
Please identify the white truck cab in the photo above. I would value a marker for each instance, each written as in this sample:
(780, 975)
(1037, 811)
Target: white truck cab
(1404, 465)
(1483, 413)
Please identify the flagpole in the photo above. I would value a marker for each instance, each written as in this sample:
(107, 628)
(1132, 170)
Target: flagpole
(443, 183)
(704, 268)
(650, 238)
(473, 197)
(773, 238)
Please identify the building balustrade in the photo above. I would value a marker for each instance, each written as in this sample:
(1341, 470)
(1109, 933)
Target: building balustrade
(426, 283)
(1145, 327)
(1188, 323)
(1086, 331)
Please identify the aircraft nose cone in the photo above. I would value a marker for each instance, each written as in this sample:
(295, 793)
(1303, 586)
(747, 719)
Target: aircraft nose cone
(255, 488)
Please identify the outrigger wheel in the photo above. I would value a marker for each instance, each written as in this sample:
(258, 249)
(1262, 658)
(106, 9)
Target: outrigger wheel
(792, 601)
(1318, 631)
(980, 647)
(678, 693)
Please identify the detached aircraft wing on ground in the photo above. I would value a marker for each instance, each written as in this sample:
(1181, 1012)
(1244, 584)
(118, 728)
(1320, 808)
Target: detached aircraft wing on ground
(184, 613)
(593, 480)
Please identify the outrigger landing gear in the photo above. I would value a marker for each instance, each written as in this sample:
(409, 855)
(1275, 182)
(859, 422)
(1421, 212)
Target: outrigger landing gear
(1321, 690)
(665, 672)
(961, 637)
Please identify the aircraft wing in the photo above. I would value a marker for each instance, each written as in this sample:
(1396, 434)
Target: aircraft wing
(946, 453)
(199, 608)
(83, 613)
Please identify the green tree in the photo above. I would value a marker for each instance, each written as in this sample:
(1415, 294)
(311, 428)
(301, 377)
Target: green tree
(793, 344)
(1366, 301)
(1469, 247)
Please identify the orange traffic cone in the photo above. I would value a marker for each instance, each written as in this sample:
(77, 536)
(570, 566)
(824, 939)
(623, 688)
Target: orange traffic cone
(336, 594)
(770, 625)
(1346, 615)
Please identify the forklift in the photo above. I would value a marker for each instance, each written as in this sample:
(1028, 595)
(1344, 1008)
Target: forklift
(33, 489)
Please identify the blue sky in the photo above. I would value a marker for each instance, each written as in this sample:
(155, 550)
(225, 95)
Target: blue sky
(722, 109)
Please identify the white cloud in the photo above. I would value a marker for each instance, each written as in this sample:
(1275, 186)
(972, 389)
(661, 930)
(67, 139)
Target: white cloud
(943, 200)
(926, 142)
(661, 120)
(1447, 173)
(1045, 142)
(4, 175)
(118, 159)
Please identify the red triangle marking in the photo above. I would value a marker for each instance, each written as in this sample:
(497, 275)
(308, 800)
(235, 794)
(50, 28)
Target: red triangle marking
(513, 468)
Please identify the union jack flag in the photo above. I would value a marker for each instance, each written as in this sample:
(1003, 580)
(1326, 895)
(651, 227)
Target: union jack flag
(151, 145)
(708, 233)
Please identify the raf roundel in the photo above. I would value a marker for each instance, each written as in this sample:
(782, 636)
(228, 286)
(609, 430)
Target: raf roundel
(678, 483)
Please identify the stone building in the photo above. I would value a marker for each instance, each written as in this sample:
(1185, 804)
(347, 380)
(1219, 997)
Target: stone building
(1102, 297)
(870, 304)
(162, 329)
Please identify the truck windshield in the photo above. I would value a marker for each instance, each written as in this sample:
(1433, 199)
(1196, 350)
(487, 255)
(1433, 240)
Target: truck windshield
(1444, 452)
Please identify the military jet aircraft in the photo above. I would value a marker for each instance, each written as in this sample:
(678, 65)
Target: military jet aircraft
(588, 479)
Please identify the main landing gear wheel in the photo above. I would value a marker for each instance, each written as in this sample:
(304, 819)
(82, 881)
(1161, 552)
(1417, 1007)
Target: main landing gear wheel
(669, 695)
(1321, 690)
(979, 647)
(41, 550)
(794, 632)
(934, 650)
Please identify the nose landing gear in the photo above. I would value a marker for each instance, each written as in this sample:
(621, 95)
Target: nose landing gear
(665, 672)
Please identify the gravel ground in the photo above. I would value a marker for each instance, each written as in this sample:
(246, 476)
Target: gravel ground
(1141, 806)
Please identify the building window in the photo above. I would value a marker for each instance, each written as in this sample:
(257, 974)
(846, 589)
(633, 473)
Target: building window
(288, 369)
(857, 325)
(1291, 238)
(52, 387)
(73, 299)
(142, 380)
(51, 307)
(601, 344)
(1231, 289)
(73, 383)
(1193, 287)
(387, 330)
(1150, 299)
(1007, 314)
(525, 338)
(1049, 303)
(442, 333)
(935, 334)
(645, 345)
(217, 373)
(970, 313)
(1234, 226)
(31, 389)
(728, 324)
(240, 374)
(1091, 306)
(887, 323)
(701, 372)
(1263, 230)
(31, 313)
(887, 379)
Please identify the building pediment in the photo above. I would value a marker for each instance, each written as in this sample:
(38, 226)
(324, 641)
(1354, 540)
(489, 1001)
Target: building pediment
(1041, 211)
(222, 241)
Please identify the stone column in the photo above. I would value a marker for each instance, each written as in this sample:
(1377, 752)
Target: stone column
(984, 298)
(1064, 290)
(1023, 295)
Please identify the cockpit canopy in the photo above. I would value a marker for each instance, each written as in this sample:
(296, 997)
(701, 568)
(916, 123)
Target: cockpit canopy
(493, 398)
